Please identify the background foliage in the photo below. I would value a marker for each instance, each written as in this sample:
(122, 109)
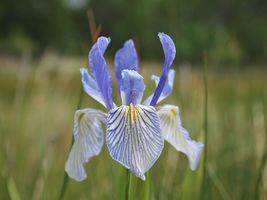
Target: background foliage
(228, 29)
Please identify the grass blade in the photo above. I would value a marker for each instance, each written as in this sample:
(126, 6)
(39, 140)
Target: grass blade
(205, 125)
(12, 189)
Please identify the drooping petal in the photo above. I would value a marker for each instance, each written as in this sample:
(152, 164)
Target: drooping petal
(132, 87)
(99, 70)
(88, 141)
(178, 136)
(125, 58)
(166, 90)
(90, 87)
(169, 52)
(134, 137)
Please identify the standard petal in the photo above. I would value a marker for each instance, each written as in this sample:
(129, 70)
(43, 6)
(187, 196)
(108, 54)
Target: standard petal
(134, 137)
(132, 87)
(99, 70)
(88, 141)
(169, 52)
(178, 136)
(90, 87)
(166, 90)
(125, 58)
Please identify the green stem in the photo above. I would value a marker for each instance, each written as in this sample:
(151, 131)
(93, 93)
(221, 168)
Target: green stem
(127, 184)
(258, 181)
(66, 177)
(139, 189)
(205, 126)
(122, 182)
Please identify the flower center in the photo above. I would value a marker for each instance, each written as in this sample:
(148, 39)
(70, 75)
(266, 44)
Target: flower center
(132, 114)
(133, 93)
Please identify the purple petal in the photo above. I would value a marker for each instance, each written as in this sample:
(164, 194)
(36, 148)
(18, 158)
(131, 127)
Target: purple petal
(125, 58)
(132, 87)
(166, 90)
(99, 70)
(169, 52)
(90, 87)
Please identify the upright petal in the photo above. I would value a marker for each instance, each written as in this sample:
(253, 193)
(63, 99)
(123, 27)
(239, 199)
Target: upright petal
(169, 52)
(134, 138)
(166, 90)
(132, 87)
(176, 135)
(99, 70)
(125, 58)
(90, 87)
(88, 141)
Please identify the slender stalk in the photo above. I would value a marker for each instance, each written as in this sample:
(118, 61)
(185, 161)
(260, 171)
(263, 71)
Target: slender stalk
(139, 189)
(127, 184)
(122, 182)
(205, 125)
(259, 178)
(66, 177)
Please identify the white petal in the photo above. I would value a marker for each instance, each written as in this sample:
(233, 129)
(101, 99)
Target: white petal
(178, 136)
(134, 137)
(88, 141)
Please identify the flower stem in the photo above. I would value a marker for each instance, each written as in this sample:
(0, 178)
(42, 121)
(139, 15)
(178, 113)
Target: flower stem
(205, 125)
(122, 182)
(127, 184)
(139, 189)
(66, 177)
(260, 174)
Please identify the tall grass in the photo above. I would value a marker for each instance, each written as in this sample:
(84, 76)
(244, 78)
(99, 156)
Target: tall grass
(205, 125)
(38, 147)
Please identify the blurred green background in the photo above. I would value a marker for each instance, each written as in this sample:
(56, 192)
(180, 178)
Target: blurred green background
(228, 29)
(44, 43)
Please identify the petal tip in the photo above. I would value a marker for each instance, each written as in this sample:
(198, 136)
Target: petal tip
(83, 70)
(161, 34)
(143, 177)
(197, 152)
(129, 42)
(103, 38)
(77, 173)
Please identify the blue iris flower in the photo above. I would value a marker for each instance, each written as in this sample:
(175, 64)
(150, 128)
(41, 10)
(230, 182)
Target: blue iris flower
(135, 131)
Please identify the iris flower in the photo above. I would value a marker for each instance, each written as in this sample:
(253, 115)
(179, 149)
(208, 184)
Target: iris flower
(135, 131)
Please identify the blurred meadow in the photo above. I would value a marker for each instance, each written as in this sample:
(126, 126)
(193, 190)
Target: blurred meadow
(43, 44)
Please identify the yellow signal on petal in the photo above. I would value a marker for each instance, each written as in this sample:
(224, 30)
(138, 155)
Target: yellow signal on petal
(134, 111)
(81, 115)
(132, 114)
(174, 111)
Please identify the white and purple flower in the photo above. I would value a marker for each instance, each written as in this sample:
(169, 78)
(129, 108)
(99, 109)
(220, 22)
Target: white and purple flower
(135, 131)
